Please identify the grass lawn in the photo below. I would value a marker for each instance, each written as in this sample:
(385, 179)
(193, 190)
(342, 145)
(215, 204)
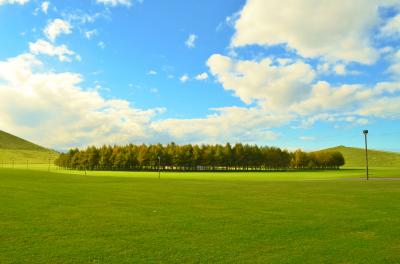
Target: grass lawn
(307, 217)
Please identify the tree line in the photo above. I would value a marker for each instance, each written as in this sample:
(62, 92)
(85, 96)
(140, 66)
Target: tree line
(173, 157)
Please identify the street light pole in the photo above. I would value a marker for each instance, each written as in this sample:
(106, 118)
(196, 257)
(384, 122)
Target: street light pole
(159, 166)
(366, 152)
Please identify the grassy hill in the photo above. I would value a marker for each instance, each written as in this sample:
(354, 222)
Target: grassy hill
(355, 157)
(18, 150)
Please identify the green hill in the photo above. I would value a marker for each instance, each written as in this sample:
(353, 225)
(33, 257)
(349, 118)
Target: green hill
(355, 157)
(18, 150)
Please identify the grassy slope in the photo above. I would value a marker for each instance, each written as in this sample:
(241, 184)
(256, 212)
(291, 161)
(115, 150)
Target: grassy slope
(355, 157)
(56, 218)
(8, 141)
(16, 149)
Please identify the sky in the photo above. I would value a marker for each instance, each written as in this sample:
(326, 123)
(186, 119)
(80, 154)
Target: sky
(303, 74)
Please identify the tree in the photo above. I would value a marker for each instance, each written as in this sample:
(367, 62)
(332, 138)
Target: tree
(194, 157)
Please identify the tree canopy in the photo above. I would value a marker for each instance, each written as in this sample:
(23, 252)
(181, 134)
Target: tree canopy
(239, 157)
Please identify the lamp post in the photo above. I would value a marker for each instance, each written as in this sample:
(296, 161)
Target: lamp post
(159, 166)
(366, 152)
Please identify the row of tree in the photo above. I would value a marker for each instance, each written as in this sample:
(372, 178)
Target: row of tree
(174, 157)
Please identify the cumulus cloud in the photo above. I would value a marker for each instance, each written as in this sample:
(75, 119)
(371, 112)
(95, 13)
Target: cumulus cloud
(234, 124)
(394, 68)
(184, 78)
(392, 27)
(202, 76)
(55, 111)
(381, 100)
(329, 29)
(340, 69)
(292, 87)
(191, 41)
(384, 107)
(325, 98)
(57, 27)
(44, 47)
(263, 81)
(21, 2)
(45, 6)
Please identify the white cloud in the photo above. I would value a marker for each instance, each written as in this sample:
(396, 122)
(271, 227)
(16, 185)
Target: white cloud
(90, 33)
(44, 47)
(191, 41)
(384, 107)
(324, 98)
(382, 100)
(101, 44)
(115, 2)
(45, 6)
(80, 17)
(392, 27)
(184, 78)
(394, 68)
(307, 138)
(53, 110)
(21, 2)
(324, 68)
(18, 69)
(329, 29)
(233, 124)
(152, 72)
(292, 87)
(264, 82)
(335, 69)
(57, 27)
(202, 76)
(340, 69)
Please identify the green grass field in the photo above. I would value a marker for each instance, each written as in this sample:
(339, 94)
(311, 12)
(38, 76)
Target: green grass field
(307, 217)
(22, 157)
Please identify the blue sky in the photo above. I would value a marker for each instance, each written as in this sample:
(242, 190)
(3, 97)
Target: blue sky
(294, 74)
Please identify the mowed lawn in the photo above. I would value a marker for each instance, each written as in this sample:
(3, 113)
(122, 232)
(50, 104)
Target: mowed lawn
(50, 217)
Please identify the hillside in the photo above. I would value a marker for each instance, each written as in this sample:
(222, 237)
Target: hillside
(355, 157)
(18, 150)
(8, 141)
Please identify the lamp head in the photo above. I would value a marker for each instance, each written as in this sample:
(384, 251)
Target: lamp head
(365, 132)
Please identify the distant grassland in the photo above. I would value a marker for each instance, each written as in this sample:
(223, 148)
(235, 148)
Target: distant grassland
(304, 175)
(355, 157)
